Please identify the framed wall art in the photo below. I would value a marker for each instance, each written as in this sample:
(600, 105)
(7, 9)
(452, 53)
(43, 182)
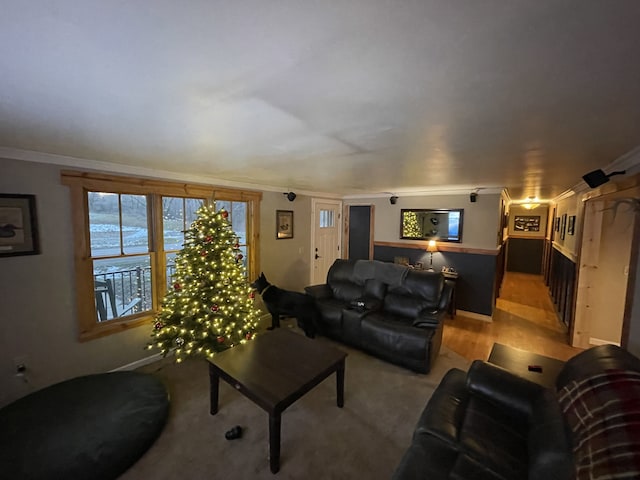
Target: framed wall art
(557, 224)
(284, 224)
(18, 225)
(563, 226)
(571, 225)
(526, 223)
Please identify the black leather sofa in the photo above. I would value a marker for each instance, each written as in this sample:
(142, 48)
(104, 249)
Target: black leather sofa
(489, 424)
(388, 310)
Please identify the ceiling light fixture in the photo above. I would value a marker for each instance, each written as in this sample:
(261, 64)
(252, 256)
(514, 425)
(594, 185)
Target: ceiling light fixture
(531, 204)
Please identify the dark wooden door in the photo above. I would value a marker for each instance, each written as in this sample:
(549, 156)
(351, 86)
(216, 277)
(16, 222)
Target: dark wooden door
(360, 232)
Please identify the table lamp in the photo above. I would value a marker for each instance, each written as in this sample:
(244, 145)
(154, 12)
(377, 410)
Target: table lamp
(431, 247)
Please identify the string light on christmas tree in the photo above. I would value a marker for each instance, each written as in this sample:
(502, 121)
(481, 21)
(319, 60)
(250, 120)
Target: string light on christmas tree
(210, 307)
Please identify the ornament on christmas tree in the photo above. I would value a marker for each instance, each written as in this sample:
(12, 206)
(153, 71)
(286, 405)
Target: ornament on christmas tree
(252, 295)
(236, 246)
(206, 267)
(157, 325)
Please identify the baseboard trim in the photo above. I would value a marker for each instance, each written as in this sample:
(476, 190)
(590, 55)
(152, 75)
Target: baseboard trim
(598, 341)
(475, 316)
(140, 363)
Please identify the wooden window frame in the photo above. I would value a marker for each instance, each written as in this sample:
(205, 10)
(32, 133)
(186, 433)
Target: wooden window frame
(80, 183)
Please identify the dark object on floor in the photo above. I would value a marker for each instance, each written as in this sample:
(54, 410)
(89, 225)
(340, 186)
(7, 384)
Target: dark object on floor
(492, 424)
(598, 177)
(235, 432)
(388, 310)
(284, 302)
(94, 426)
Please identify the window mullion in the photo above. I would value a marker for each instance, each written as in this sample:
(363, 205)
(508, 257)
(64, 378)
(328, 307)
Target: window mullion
(120, 222)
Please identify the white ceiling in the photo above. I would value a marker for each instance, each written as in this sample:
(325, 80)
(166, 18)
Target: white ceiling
(344, 97)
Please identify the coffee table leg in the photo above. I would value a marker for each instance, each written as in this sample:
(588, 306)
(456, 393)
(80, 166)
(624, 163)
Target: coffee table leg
(274, 442)
(214, 381)
(340, 384)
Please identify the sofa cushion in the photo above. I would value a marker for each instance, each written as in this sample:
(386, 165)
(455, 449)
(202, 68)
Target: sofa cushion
(405, 305)
(346, 291)
(374, 288)
(603, 412)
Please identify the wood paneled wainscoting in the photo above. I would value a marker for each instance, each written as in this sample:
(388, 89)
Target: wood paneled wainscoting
(479, 271)
(562, 281)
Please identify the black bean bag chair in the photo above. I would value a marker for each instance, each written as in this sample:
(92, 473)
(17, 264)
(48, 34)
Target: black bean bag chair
(94, 426)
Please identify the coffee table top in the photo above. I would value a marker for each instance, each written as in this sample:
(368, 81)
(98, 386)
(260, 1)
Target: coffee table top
(277, 367)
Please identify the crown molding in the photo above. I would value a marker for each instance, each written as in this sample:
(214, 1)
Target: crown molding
(119, 168)
(454, 190)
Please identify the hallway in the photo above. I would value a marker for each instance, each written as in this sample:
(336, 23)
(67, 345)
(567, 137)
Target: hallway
(524, 318)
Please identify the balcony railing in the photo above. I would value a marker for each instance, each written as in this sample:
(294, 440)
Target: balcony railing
(125, 292)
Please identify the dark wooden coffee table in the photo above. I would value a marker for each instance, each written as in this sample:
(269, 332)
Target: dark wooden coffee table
(518, 362)
(274, 370)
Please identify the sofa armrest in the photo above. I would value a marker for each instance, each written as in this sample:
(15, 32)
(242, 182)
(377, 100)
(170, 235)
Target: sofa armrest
(319, 292)
(429, 318)
(445, 297)
(503, 388)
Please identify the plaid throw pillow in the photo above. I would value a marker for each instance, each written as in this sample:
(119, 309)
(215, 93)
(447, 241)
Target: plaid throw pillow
(603, 413)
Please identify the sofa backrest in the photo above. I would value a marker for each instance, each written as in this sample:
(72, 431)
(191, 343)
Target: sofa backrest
(420, 291)
(412, 292)
(342, 280)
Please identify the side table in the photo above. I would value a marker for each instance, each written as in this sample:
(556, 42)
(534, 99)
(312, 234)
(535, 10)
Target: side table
(518, 361)
(452, 277)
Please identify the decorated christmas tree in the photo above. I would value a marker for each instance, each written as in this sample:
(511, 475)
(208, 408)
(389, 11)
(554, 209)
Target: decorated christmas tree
(410, 226)
(209, 308)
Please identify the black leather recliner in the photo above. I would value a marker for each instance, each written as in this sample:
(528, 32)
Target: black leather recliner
(388, 310)
(489, 424)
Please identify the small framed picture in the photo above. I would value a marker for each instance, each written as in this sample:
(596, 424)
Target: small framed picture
(284, 224)
(563, 226)
(571, 225)
(18, 225)
(557, 224)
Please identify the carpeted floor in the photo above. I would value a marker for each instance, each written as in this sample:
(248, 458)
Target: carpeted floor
(365, 439)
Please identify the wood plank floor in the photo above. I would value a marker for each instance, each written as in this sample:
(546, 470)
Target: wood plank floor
(525, 318)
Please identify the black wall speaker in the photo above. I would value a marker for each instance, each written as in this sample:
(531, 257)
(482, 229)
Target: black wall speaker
(290, 196)
(473, 196)
(598, 177)
(393, 199)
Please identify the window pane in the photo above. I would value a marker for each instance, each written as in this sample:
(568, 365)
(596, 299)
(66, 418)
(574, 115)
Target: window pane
(122, 286)
(239, 221)
(326, 218)
(177, 216)
(191, 207)
(104, 224)
(171, 268)
(135, 230)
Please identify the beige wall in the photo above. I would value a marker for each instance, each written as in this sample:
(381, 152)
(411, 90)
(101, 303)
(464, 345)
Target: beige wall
(285, 262)
(481, 220)
(37, 314)
(516, 210)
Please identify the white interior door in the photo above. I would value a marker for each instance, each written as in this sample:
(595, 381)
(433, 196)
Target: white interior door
(604, 271)
(325, 237)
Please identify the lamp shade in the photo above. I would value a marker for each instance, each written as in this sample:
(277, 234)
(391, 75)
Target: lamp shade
(432, 246)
